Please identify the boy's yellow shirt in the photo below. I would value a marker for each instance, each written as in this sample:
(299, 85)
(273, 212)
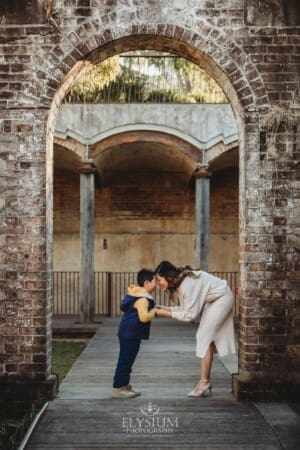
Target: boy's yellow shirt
(142, 304)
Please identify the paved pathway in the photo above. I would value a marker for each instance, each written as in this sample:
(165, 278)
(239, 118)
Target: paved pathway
(83, 416)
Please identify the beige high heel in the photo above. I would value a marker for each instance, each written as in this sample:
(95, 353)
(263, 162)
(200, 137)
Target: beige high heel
(202, 389)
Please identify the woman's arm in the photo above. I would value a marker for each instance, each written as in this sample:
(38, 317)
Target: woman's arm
(163, 313)
(194, 292)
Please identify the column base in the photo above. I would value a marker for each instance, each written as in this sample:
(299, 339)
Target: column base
(264, 390)
(17, 397)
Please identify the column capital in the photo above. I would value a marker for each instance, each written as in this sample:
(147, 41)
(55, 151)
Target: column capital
(201, 171)
(87, 166)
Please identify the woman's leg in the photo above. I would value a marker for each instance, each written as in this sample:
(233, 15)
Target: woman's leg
(204, 386)
(206, 362)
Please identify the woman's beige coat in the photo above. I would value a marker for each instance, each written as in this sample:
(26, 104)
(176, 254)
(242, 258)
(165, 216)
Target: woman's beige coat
(209, 301)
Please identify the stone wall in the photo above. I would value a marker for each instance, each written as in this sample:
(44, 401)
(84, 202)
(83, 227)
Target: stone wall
(255, 59)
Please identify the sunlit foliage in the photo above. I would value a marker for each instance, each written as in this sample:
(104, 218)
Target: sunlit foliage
(146, 78)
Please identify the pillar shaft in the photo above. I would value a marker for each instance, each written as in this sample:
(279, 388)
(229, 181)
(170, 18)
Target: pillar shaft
(202, 199)
(87, 208)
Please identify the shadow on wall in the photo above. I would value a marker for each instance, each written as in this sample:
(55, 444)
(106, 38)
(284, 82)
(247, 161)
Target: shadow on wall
(32, 11)
(272, 12)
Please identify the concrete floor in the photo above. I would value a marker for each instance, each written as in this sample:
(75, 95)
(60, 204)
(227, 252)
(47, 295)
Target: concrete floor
(83, 416)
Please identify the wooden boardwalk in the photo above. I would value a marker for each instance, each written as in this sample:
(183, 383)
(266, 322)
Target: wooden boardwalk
(83, 416)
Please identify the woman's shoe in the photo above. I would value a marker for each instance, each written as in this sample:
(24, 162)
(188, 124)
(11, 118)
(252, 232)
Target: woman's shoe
(202, 389)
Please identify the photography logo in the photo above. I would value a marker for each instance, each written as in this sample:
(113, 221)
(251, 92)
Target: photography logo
(150, 420)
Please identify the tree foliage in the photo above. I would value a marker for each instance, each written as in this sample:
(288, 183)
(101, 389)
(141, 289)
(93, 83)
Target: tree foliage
(94, 80)
(142, 78)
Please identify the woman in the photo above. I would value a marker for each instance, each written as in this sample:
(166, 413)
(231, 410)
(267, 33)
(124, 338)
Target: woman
(205, 299)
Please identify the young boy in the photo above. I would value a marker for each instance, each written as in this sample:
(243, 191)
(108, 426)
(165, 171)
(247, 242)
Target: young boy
(138, 311)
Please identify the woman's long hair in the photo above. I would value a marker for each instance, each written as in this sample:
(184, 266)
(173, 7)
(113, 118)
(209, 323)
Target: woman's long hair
(174, 275)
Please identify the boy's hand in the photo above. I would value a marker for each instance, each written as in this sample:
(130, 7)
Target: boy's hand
(167, 308)
(157, 312)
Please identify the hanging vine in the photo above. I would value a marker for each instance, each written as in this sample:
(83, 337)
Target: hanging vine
(274, 119)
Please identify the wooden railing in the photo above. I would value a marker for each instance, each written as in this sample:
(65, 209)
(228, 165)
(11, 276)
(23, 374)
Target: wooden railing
(110, 288)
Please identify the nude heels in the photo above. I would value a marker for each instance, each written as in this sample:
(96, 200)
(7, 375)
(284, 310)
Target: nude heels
(202, 389)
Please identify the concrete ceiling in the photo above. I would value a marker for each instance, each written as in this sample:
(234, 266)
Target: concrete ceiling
(66, 159)
(147, 156)
(225, 160)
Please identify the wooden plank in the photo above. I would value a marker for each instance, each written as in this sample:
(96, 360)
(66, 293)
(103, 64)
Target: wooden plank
(85, 417)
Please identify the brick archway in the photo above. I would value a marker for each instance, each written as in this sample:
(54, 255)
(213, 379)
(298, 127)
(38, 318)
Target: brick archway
(202, 43)
(206, 46)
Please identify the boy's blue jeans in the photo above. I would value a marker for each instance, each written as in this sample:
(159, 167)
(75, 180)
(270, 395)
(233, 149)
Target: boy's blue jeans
(128, 350)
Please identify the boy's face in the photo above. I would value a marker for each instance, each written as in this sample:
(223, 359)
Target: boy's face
(150, 285)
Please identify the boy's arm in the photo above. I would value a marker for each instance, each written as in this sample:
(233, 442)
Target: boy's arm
(142, 308)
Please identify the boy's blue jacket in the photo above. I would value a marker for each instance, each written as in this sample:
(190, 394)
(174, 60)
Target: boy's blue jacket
(130, 326)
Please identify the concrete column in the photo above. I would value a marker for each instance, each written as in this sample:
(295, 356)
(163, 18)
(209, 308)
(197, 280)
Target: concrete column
(202, 199)
(87, 210)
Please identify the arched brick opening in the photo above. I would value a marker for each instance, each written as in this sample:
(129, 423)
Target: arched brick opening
(207, 47)
(245, 92)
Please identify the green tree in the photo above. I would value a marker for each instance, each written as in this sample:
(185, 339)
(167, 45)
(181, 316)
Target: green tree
(91, 83)
(146, 77)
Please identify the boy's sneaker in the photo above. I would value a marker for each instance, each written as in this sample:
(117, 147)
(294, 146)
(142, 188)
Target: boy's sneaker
(123, 392)
(129, 387)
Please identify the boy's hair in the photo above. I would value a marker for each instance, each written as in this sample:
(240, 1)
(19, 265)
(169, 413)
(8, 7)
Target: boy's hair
(144, 275)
